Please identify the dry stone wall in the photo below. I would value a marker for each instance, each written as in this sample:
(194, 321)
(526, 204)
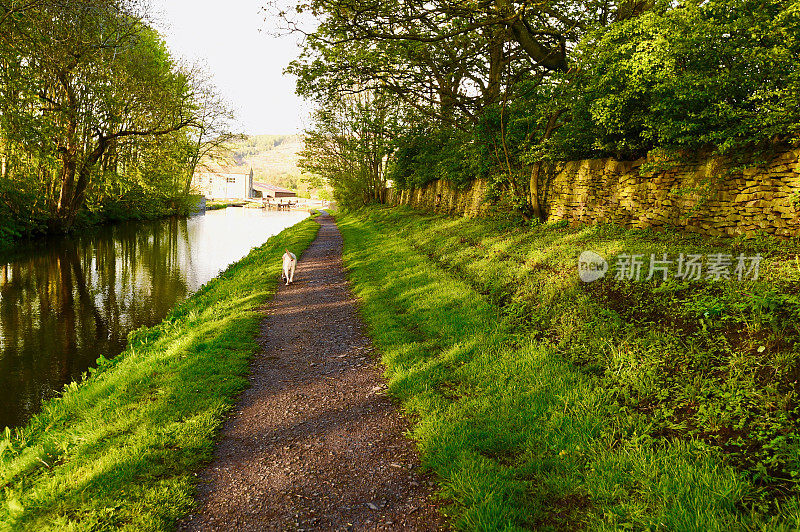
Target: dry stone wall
(706, 197)
(439, 196)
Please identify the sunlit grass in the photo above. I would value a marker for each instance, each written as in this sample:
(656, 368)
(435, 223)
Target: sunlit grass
(119, 449)
(537, 404)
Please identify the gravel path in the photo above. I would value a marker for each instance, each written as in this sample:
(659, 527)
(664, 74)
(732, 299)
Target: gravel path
(314, 443)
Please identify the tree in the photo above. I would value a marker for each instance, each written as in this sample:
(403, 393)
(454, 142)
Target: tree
(502, 88)
(543, 31)
(450, 62)
(212, 131)
(717, 75)
(85, 77)
(350, 143)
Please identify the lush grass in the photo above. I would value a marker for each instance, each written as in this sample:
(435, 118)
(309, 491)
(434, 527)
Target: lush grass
(119, 449)
(545, 403)
(216, 205)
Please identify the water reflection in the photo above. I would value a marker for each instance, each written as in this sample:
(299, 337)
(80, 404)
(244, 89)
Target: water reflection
(66, 301)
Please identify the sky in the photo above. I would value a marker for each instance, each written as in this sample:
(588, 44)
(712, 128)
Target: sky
(235, 41)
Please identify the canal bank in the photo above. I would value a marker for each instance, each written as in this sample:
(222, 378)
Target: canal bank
(117, 450)
(67, 300)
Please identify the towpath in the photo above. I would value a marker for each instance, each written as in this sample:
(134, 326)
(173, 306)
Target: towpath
(314, 443)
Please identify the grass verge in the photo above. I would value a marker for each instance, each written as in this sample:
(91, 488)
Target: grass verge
(545, 403)
(118, 450)
(216, 205)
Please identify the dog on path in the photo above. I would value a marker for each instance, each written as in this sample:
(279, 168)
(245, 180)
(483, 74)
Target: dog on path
(289, 264)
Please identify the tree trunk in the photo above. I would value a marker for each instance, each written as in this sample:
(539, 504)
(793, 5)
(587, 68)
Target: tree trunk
(549, 58)
(67, 179)
(69, 155)
(193, 162)
(537, 188)
(536, 207)
(492, 93)
(73, 191)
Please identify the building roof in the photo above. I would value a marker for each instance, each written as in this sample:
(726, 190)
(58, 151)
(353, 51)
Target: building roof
(266, 187)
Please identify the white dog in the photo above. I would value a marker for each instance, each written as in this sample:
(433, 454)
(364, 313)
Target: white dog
(289, 264)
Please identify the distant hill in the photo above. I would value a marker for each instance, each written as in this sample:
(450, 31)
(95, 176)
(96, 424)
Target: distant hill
(274, 161)
(273, 158)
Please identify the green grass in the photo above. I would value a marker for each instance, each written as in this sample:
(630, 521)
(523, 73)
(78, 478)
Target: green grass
(216, 205)
(119, 449)
(544, 403)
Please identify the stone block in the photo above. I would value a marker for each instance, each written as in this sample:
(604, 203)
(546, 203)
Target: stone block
(749, 172)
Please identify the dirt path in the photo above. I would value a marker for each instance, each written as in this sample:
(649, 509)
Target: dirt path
(314, 443)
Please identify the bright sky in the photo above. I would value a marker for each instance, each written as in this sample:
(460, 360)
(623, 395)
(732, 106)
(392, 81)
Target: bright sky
(246, 63)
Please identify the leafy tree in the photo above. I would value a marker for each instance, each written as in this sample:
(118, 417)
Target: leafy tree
(715, 75)
(82, 80)
(427, 153)
(449, 64)
(501, 89)
(350, 143)
(212, 131)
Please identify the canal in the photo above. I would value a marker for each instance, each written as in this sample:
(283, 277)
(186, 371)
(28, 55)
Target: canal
(64, 301)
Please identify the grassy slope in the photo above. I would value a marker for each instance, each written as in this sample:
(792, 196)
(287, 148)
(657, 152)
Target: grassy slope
(270, 162)
(545, 403)
(119, 449)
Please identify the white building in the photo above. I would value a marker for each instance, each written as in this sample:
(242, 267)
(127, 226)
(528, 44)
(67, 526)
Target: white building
(224, 183)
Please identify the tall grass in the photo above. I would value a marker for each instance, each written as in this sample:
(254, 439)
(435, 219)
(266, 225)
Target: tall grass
(542, 403)
(119, 449)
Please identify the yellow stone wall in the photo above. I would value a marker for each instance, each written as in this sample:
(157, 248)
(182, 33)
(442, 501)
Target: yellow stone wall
(438, 196)
(705, 197)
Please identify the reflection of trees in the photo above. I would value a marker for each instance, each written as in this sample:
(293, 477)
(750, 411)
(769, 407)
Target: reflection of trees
(67, 302)
(71, 254)
(67, 322)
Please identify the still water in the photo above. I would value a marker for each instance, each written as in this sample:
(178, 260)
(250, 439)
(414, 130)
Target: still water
(65, 301)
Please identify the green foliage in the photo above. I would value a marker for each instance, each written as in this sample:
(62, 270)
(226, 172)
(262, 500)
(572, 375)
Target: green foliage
(543, 402)
(118, 450)
(216, 205)
(627, 78)
(425, 155)
(325, 195)
(349, 144)
(708, 75)
(21, 212)
(139, 203)
(95, 116)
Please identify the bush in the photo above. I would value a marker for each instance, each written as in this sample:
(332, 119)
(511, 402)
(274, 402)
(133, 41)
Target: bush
(21, 212)
(719, 74)
(426, 154)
